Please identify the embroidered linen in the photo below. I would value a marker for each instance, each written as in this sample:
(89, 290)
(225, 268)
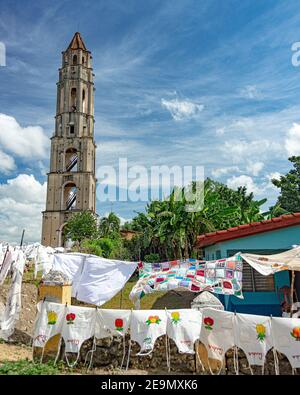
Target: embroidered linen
(217, 332)
(253, 336)
(146, 327)
(49, 322)
(183, 326)
(113, 322)
(286, 338)
(223, 276)
(78, 326)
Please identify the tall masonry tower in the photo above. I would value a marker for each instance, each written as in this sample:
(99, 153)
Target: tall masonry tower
(71, 181)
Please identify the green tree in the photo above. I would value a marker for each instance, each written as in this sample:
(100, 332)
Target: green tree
(110, 226)
(81, 226)
(289, 185)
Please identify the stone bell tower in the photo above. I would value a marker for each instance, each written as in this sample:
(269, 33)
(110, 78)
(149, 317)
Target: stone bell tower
(71, 184)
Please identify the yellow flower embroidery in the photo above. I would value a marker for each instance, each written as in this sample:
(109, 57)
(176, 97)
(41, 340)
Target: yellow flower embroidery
(261, 332)
(52, 317)
(175, 317)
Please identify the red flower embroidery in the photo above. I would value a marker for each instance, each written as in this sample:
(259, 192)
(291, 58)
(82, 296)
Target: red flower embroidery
(119, 324)
(208, 323)
(70, 318)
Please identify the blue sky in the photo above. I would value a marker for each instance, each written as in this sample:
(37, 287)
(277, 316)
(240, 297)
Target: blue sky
(179, 82)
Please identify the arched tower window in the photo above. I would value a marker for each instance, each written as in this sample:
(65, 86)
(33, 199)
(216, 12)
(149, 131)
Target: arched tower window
(69, 196)
(83, 101)
(75, 60)
(71, 160)
(73, 99)
(83, 61)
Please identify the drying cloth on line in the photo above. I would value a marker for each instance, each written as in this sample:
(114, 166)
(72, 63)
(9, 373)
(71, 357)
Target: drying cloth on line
(13, 304)
(286, 338)
(95, 280)
(183, 327)
(146, 327)
(49, 322)
(217, 332)
(78, 326)
(223, 276)
(113, 323)
(253, 336)
(6, 264)
(270, 264)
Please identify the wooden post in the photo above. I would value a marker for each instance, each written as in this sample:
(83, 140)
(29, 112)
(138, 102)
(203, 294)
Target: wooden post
(58, 294)
(292, 292)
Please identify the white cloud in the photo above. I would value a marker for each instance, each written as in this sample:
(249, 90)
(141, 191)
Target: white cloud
(7, 163)
(254, 168)
(21, 201)
(25, 142)
(292, 141)
(243, 180)
(241, 150)
(220, 131)
(224, 170)
(250, 92)
(182, 109)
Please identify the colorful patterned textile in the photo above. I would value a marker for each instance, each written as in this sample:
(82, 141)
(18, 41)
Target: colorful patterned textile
(223, 276)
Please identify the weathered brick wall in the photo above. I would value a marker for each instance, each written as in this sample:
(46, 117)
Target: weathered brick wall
(109, 353)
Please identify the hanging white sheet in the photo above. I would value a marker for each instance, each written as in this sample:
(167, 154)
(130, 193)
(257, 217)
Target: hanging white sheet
(253, 336)
(286, 337)
(183, 327)
(217, 332)
(146, 327)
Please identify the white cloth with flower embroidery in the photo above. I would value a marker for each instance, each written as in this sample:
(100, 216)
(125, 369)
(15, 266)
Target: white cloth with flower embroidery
(48, 323)
(217, 332)
(78, 326)
(112, 323)
(183, 327)
(146, 326)
(253, 336)
(286, 337)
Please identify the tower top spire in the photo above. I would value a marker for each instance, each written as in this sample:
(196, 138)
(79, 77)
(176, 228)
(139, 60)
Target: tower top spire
(77, 42)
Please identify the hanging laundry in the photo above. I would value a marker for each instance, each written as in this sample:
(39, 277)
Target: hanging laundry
(217, 332)
(78, 326)
(286, 338)
(13, 304)
(146, 327)
(223, 276)
(183, 327)
(95, 280)
(113, 322)
(8, 259)
(253, 336)
(49, 322)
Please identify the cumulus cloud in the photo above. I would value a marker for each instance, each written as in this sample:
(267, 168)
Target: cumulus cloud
(25, 142)
(241, 150)
(243, 180)
(255, 168)
(182, 109)
(292, 141)
(7, 163)
(21, 201)
(224, 170)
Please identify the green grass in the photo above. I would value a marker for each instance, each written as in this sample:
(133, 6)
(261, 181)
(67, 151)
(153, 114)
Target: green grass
(124, 302)
(26, 367)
